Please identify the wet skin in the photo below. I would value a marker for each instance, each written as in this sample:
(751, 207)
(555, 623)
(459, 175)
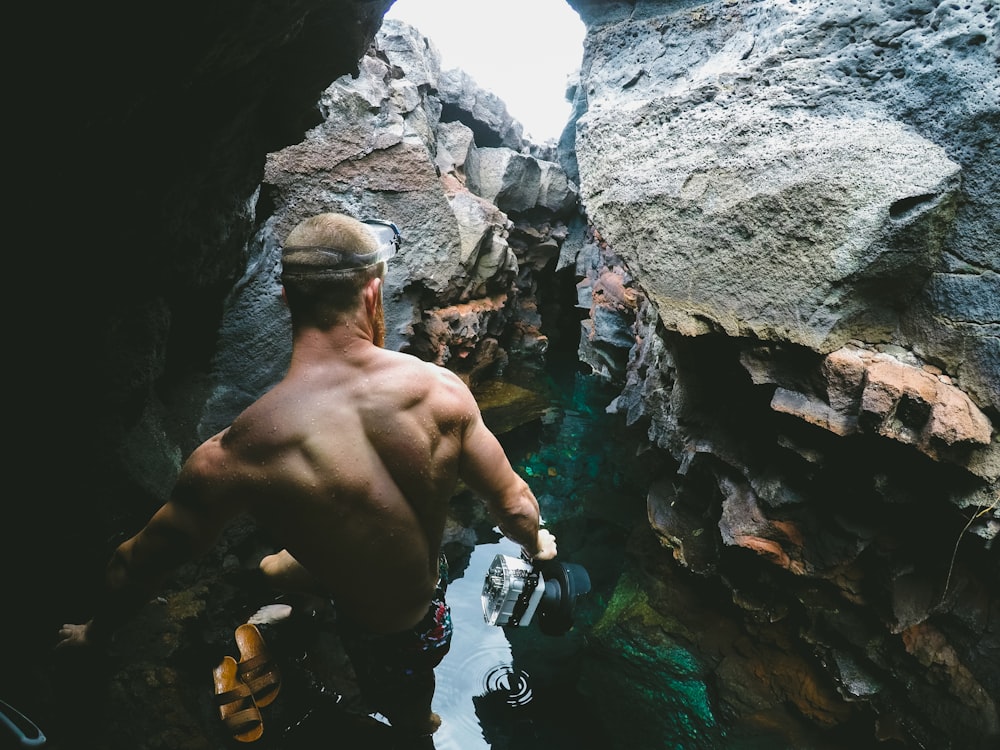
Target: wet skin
(350, 462)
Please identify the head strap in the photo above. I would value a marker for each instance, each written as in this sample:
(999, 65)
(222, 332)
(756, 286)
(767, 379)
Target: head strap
(321, 260)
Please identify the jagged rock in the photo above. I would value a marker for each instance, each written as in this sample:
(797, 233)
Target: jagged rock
(743, 524)
(474, 105)
(414, 60)
(823, 517)
(650, 380)
(914, 406)
(486, 258)
(456, 261)
(518, 182)
(607, 291)
(926, 644)
(457, 336)
(855, 390)
(506, 177)
(844, 372)
(380, 151)
(681, 528)
(873, 391)
(855, 679)
(556, 192)
(455, 143)
(813, 410)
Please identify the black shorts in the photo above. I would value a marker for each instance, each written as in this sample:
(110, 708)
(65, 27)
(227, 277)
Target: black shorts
(420, 648)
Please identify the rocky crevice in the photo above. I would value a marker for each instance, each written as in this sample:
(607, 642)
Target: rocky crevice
(847, 504)
(827, 427)
(830, 485)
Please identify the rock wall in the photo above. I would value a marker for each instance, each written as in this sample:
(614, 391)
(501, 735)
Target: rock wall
(794, 214)
(401, 141)
(808, 172)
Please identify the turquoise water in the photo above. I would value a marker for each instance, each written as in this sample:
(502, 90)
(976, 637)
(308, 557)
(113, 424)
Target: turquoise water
(624, 676)
(597, 685)
(518, 687)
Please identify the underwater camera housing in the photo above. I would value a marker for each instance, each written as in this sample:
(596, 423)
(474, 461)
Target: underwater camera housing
(516, 592)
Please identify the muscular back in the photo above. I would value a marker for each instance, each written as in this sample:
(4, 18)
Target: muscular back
(350, 464)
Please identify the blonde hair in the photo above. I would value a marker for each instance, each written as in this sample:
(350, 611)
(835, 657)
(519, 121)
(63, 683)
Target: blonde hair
(323, 299)
(337, 231)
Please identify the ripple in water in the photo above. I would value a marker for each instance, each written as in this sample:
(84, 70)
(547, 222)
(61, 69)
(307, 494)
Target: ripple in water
(479, 663)
(504, 679)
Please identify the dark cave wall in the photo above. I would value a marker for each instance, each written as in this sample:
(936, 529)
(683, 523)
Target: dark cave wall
(138, 146)
(819, 481)
(164, 120)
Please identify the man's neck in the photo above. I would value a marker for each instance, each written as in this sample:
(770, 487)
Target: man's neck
(346, 341)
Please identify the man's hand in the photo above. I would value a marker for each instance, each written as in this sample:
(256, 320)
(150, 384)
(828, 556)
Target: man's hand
(76, 636)
(546, 546)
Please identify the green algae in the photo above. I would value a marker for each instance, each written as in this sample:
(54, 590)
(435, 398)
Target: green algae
(648, 682)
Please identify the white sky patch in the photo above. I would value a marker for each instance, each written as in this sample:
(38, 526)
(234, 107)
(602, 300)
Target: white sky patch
(524, 51)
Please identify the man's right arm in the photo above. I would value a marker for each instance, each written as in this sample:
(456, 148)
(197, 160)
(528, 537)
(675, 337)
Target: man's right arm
(185, 527)
(485, 468)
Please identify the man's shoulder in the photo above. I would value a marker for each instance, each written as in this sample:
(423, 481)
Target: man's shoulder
(432, 380)
(411, 364)
(205, 462)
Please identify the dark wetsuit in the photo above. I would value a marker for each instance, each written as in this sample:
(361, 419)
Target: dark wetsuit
(393, 669)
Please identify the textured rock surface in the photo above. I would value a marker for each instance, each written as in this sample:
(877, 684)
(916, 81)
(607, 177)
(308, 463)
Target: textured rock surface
(808, 172)
(385, 150)
(800, 198)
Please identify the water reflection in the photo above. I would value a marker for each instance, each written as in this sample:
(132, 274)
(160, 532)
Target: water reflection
(510, 684)
(480, 661)
(510, 687)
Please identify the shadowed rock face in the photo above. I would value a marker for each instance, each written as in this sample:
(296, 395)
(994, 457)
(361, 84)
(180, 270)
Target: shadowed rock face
(790, 269)
(153, 127)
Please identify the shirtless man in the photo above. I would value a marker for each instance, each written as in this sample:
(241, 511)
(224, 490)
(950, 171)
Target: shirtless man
(350, 461)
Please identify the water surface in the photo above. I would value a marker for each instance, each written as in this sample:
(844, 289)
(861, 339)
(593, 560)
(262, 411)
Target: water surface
(518, 687)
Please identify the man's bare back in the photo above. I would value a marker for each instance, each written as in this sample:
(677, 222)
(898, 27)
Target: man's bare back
(350, 463)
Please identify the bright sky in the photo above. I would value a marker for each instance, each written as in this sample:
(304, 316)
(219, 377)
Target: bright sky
(524, 51)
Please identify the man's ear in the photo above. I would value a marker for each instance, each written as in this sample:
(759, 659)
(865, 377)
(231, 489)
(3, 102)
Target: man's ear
(372, 293)
(284, 296)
